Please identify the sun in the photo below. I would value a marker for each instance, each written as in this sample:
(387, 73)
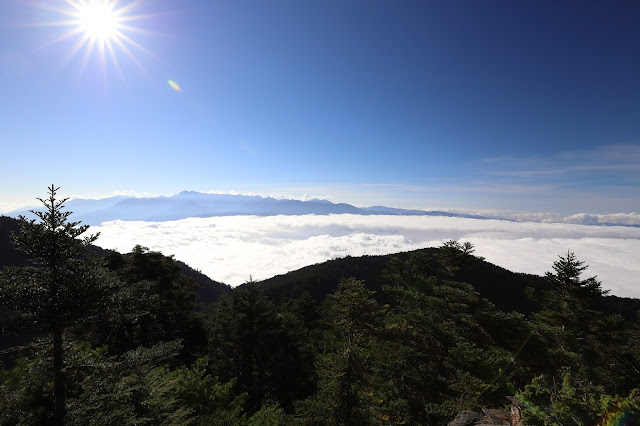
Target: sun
(98, 20)
(102, 29)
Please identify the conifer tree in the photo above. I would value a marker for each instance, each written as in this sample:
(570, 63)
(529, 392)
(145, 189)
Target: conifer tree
(574, 367)
(566, 279)
(567, 312)
(348, 394)
(60, 289)
(454, 256)
(246, 343)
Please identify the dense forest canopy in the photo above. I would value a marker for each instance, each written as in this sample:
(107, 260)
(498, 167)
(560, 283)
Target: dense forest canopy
(98, 337)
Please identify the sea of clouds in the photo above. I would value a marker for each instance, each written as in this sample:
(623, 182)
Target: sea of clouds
(233, 249)
(622, 219)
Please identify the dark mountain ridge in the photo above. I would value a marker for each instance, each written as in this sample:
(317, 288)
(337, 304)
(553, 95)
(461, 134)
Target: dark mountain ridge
(505, 289)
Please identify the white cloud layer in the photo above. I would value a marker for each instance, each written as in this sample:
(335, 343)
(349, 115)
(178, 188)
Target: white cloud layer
(231, 249)
(626, 219)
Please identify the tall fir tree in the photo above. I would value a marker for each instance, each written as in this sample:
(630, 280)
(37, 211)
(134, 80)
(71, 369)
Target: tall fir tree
(60, 289)
(568, 318)
(348, 392)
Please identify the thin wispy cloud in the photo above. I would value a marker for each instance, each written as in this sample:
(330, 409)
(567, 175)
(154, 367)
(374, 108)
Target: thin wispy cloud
(610, 158)
(600, 179)
(566, 170)
(613, 153)
(231, 249)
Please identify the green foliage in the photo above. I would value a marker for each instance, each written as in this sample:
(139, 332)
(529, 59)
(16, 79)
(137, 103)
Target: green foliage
(618, 409)
(347, 391)
(101, 389)
(25, 393)
(268, 415)
(453, 256)
(134, 347)
(452, 348)
(138, 388)
(584, 357)
(355, 314)
(251, 341)
(155, 304)
(131, 389)
(567, 306)
(562, 401)
(566, 279)
(61, 289)
(567, 400)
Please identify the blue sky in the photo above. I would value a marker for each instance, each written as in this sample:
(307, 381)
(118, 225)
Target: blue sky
(522, 105)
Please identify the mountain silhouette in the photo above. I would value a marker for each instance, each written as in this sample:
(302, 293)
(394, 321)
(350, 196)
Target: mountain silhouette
(196, 204)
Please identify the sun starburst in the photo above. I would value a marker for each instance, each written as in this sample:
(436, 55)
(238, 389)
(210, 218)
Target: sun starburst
(102, 29)
(99, 21)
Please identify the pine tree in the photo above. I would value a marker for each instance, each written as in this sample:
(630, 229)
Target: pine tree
(566, 280)
(348, 393)
(568, 307)
(246, 343)
(575, 368)
(454, 256)
(60, 289)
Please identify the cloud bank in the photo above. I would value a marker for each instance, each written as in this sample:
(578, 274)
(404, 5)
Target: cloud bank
(231, 249)
(622, 219)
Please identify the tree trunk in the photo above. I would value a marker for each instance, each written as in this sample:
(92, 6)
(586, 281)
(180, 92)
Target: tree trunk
(58, 377)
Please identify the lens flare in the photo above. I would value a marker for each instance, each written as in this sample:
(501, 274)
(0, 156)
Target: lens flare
(175, 86)
(502, 371)
(619, 418)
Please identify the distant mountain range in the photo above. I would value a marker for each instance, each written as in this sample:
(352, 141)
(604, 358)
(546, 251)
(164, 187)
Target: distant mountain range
(196, 204)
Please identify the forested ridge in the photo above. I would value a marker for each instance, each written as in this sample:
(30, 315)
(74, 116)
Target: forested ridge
(98, 337)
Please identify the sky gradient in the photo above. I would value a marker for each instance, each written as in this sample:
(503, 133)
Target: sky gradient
(529, 106)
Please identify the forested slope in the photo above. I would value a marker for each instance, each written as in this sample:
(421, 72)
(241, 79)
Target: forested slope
(505, 289)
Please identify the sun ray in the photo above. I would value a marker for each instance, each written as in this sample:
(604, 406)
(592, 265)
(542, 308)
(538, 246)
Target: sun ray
(114, 57)
(133, 43)
(123, 10)
(69, 34)
(74, 50)
(103, 55)
(102, 31)
(90, 43)
(126, 50)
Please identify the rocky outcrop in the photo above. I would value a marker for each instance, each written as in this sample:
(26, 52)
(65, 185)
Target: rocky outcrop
(491, 416)
(516, 410)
